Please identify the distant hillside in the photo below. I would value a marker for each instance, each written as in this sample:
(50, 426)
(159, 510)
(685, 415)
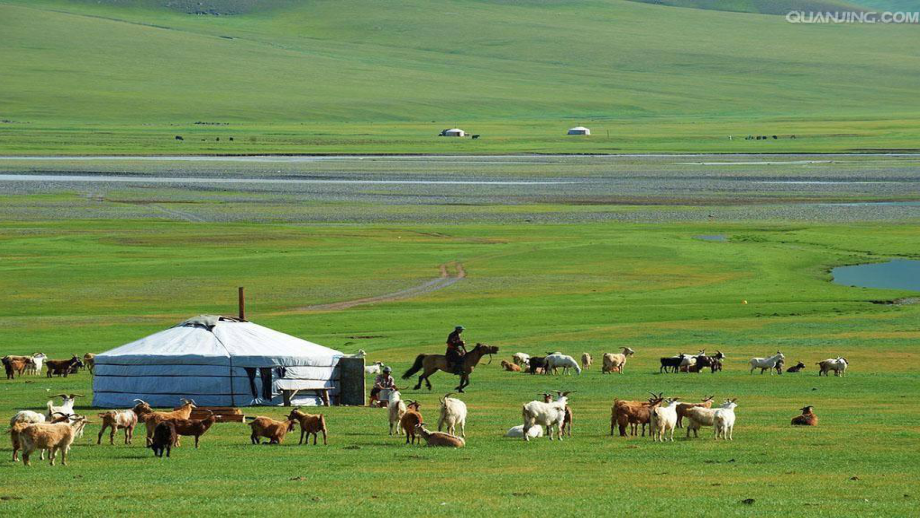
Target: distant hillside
(761, 6)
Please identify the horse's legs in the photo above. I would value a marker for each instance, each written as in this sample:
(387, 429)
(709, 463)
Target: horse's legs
(419, 384)
(427, 383)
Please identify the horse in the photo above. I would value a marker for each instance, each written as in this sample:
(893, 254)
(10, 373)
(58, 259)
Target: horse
(766, 363)
(432, 363)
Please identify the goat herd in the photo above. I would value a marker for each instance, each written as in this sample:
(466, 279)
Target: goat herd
(59, 426)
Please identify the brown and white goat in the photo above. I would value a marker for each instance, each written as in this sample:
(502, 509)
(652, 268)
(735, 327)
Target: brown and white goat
(410, 420)
(309, 423)
(274, 431)
(118, 420)
(682, 409)
(632, 413)
(15, 365)
(439, 438)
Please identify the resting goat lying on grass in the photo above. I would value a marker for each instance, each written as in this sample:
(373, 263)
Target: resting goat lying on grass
(439, 438)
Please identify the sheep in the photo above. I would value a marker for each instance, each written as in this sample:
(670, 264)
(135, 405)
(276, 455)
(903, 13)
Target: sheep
(164, 436)
(192, 427)
(510, 367)
(27, 417)
(548, 415)
(664, 420)
(838, 365)
(409, 420)
(66, 406)
(54, 437)
(453, 413)
(439, 438)
(632, 413)
(151, 419)
(396, 409)
(796, 368)
(682, 409)
(699, 417)
(537, 363)
(555, 361)
(36, 364)
(723, 419)
(62, 367)
(309, 423)
(118, 420)
(616, 362)
(518, 431)
(89, 361)
(586, 360)
(522, 360)
(808, 417)
(373, 368)
(271, 429)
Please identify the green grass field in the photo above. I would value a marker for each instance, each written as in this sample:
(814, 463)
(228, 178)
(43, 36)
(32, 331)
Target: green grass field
(382, 77)
(76, 286)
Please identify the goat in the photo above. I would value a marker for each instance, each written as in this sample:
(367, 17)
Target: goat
(62, 367)
(118, 420)
(511, 367)
(808, 417)
(555, 361)
(522, 360)
(518, 431)
(838, 365)
(396, 409)
(616, 362)
(796, 368)
(439, 438)
(193, 427)
(699, 417)
(537, 363)
(586, 360)
(766, 363)
(682, 409)
(723, 419)
(54, 437)
(453, 414)
(409, 420)
(373, 368)
(567, 422)
(688, 362)
(66, 406)
(36, 364)
(89, 361)
(151, 419)
(27, 417)
(672, 362)
(267, 427)
(632, 413)
(309, 423)
(15, 365)
(548, 415)
(164, 436)
(664, 420)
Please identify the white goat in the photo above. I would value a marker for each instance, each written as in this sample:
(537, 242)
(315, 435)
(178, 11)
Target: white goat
(565, 362)
(396, 408)
(766, 363)
(35, 366)
(453, 414)
(688, 361)
(373, 368)
(838, 365)
(66, 406)
(663, 419)
(723, 420)
(518, 431)
(699, 417)
(616, 362)
(522, 360)
(548, 415)
(586, 361)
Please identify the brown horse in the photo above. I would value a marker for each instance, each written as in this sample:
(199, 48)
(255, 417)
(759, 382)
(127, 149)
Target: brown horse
(434, 362)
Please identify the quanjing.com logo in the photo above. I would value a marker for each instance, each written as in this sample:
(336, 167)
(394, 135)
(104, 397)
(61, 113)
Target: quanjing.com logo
(853, 17)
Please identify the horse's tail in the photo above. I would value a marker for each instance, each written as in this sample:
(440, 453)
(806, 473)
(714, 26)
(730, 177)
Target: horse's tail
(417, 366)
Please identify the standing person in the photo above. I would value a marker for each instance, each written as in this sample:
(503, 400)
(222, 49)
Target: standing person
(383, 381)
(456, 349)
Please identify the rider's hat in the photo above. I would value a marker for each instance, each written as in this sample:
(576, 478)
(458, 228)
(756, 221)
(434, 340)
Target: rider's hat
(387, 369)
(459, 328)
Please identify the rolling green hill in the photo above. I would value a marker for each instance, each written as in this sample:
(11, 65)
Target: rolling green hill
(365, 76)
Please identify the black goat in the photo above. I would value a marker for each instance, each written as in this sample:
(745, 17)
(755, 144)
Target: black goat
(164, 436)
(537, 362)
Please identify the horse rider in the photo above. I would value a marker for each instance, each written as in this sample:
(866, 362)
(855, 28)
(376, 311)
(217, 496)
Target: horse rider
(383, 381)
(456, 350)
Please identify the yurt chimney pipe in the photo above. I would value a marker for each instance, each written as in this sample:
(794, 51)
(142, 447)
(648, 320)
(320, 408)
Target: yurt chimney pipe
(242, 305)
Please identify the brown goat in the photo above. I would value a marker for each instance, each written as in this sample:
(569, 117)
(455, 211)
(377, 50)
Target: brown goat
(15, 365)
(151, 419)
(274, 431)
(410, 420)
(193, 427)
(89, 361)
(309, 423)
(439, 438)
(54, 437)
(62, 367)
(633, 413)
(808, 417)
(510, 367)
(683, 407)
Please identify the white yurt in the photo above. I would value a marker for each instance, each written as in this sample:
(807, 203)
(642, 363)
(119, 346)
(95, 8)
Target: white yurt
(579, 130)
(453, 132)
(215, 361)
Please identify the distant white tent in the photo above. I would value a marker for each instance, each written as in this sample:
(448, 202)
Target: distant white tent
(453, 132)
(217, 361)
(579, 130)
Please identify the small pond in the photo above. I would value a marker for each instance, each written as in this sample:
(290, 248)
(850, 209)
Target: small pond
(899, 274)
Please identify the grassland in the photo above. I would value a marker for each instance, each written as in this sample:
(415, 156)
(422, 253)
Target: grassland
(371, 77)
